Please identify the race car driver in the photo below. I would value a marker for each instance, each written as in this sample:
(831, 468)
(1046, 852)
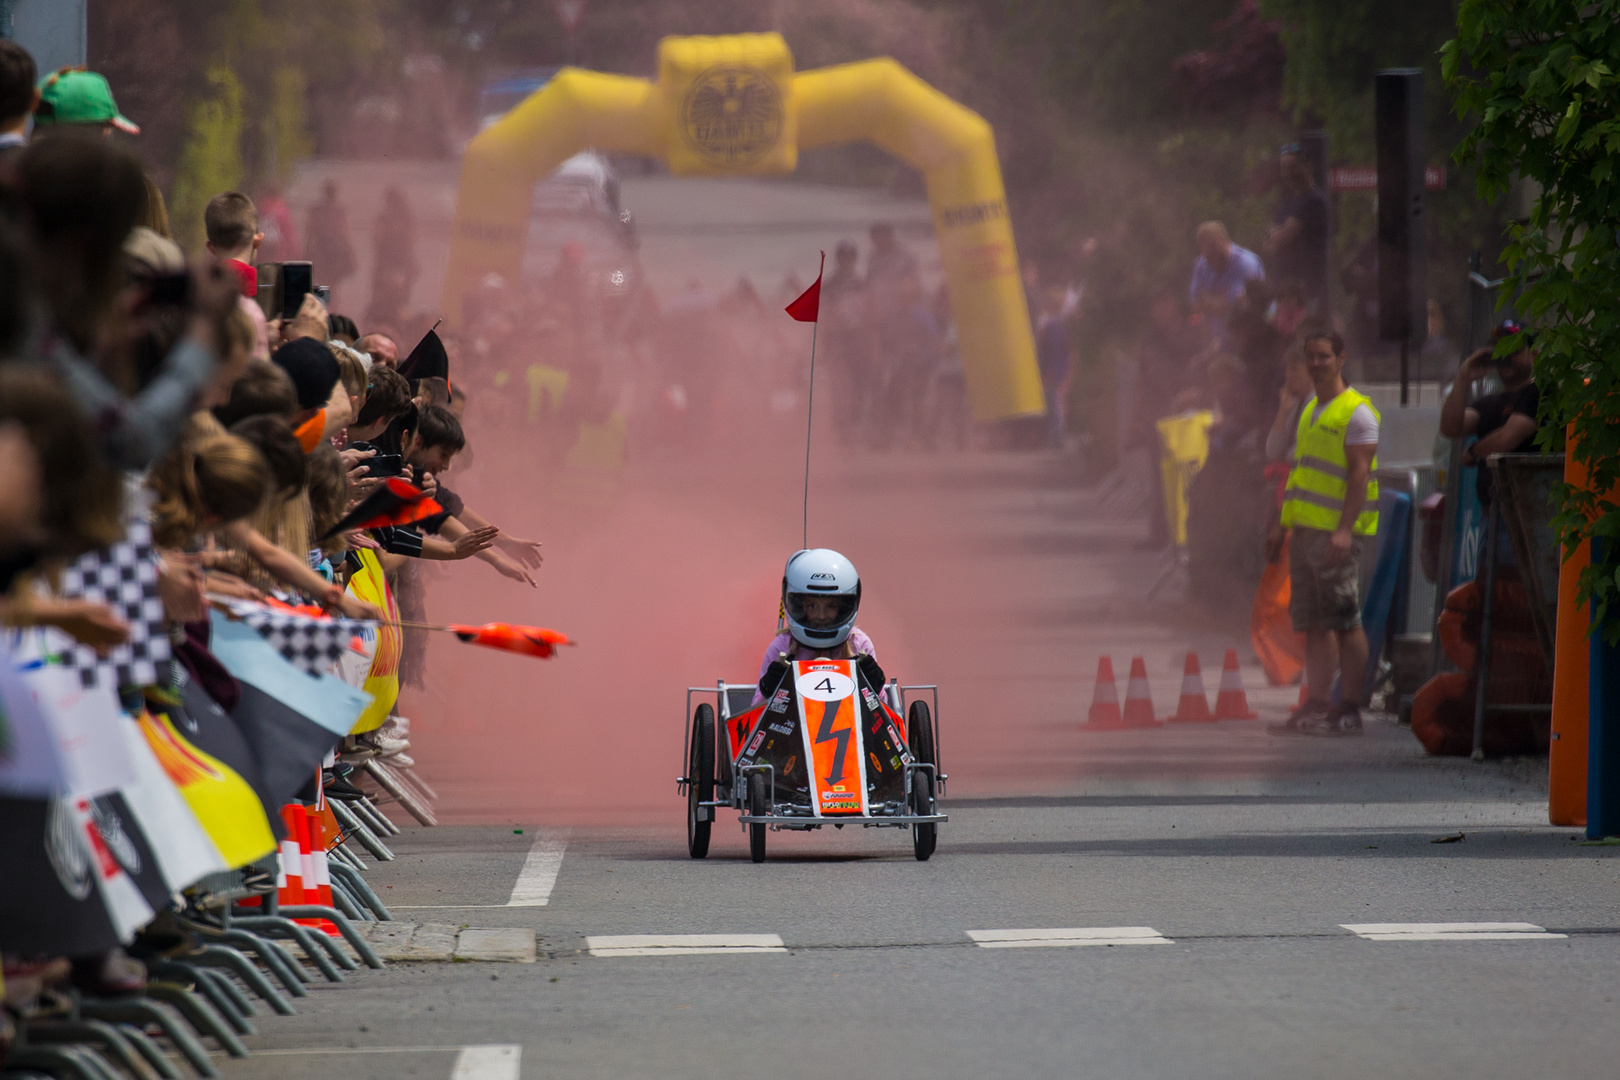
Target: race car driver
(821, 595)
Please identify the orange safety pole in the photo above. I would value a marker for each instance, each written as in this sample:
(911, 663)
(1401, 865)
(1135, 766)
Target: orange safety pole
(1572, 662)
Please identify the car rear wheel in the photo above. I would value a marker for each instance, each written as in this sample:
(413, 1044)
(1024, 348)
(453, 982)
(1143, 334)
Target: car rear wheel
(700, 783)
(758, 806)
(920, 732)
(920, 736)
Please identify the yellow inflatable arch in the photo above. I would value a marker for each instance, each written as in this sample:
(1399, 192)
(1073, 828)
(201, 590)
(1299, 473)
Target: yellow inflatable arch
(734, 105)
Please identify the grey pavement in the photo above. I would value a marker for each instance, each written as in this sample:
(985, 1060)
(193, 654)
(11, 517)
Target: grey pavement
(881, 978)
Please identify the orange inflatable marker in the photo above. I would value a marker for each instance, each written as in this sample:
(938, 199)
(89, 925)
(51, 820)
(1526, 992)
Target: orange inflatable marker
(526, 640)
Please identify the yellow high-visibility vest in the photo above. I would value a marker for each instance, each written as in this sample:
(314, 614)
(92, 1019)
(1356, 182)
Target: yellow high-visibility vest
(1319, 480)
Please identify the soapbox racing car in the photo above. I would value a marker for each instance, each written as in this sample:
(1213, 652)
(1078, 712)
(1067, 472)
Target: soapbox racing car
(824, 748)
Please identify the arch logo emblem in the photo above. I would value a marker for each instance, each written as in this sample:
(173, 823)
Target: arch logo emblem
(732, 115)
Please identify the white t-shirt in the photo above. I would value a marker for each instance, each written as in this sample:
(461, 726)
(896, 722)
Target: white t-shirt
(1362, 429)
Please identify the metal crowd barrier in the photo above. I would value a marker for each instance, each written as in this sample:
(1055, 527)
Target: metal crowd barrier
(243, 959)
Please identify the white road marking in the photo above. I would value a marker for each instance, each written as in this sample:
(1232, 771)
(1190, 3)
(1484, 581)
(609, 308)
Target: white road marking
(683, 944)
(1067, 937)
(498, 1062)
(1454, 931)
(365, 1050)
(539, 873)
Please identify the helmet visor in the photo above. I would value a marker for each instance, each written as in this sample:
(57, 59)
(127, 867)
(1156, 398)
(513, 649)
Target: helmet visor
(821, 611)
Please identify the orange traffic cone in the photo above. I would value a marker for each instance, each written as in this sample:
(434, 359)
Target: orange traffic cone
(290, 879)
(1138, 698)
(1194, 704)
(320, 886)
(1105, 698)
(1231, 703)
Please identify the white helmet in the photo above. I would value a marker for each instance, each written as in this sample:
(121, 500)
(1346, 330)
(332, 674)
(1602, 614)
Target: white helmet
(816, 574)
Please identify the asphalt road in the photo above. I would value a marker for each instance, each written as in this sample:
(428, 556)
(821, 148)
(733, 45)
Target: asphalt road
(1223, 864)
(879, 976)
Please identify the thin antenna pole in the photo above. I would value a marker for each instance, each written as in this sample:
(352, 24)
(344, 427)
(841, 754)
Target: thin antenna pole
(809, 426)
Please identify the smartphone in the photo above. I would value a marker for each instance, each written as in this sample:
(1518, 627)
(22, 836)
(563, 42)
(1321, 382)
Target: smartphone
(384, 465)
(297, 279)
(323, 293)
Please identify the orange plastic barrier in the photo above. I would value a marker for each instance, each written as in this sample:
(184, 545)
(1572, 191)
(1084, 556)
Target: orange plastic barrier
(1279, 647)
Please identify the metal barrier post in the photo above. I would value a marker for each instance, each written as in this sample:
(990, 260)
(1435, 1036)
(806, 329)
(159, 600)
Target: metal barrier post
(1482, 666)
(1603, 732)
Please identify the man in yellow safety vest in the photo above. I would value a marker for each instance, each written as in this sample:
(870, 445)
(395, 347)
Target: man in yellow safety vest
(1331, 507)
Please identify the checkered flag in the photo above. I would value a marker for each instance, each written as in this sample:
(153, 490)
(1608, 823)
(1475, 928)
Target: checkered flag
(123, 576)
(312, 645)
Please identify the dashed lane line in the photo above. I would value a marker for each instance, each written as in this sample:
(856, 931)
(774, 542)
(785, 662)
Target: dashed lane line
(539, 874)
(496, 1061)
(500, 1062)
(1067, 937)
(1455, 931)
(683, 944)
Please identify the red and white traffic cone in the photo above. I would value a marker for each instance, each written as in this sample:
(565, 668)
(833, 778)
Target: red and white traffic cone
(1231, 703)
(1138, 698)
(1105, 698)
(319, 888)
(1194, 703)
(290, 880)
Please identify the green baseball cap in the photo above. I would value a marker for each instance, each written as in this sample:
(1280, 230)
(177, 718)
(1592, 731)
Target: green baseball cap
(77, 96)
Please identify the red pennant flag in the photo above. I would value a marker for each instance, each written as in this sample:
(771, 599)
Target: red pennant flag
(393, 503)
(528, 640)
(807, 308)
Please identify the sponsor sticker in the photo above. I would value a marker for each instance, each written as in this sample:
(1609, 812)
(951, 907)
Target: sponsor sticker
(780, 729)
(779, 703)
(836, 801)
(753, 744)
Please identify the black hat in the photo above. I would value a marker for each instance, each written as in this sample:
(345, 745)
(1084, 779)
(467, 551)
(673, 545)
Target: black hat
(312, 368)
(428, 360)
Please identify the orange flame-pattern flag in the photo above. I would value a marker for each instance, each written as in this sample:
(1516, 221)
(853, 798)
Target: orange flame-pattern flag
(527, 640)
(395, 502)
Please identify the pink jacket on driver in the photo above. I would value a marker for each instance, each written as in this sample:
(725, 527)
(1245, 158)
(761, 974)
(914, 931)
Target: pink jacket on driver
(784, 648)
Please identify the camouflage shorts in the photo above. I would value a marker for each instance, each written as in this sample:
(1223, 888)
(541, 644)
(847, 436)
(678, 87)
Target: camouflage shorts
(1324, 595)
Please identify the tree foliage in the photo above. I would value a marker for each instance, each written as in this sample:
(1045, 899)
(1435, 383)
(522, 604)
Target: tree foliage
(1539, 76)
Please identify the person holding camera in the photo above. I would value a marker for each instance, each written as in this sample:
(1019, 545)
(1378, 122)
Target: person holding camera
(1505, 422)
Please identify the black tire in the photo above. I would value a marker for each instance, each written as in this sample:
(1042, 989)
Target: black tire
(924, 835)
(920, 732)
(722, 759)
(758, 806)
(700, 783)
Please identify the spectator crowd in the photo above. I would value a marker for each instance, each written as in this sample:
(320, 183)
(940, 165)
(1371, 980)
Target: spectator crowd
(173, 446)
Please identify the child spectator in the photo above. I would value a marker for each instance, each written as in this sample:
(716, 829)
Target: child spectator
(264, 389)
